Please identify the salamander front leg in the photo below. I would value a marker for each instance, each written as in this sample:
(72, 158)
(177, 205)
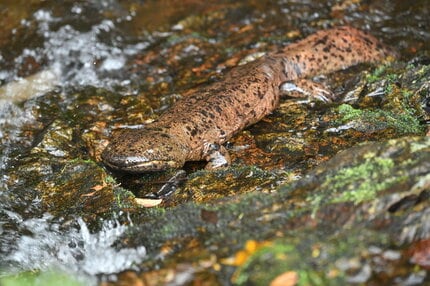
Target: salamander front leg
(217, 156)
(303, 88)
(164, 192)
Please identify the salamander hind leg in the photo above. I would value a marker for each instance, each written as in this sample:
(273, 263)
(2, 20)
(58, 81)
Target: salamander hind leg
(306, 89)
(217, 156)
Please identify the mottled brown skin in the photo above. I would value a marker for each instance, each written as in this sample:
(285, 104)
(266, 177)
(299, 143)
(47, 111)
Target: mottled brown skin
(197, 124)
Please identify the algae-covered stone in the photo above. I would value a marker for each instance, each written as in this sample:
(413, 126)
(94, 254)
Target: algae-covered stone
(204, 186)
(56, 171)
(318, 227)
(360, 173)
(371, 121)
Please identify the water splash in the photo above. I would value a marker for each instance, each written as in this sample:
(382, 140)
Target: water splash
(83, 57)
(95, 56)
(67, 54)
(82, 48)
(76, 251)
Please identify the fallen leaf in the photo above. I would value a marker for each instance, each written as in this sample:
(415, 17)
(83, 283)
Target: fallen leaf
(289, 278)
(98, 187)
(89, 194)
(148, 203)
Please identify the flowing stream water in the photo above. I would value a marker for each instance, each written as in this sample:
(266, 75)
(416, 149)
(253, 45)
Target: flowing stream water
(91, 56)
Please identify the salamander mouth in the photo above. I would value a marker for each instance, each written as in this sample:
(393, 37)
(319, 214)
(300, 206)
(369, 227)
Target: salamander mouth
(144, 166)
(139, 165)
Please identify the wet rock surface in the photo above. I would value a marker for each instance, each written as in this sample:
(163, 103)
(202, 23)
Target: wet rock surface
(317, 194)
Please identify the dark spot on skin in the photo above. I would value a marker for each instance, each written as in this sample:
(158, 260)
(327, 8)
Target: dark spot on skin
(218, 109)
(321, 41)
(273, 102)
(367, 41)
(228, 100)
(260, 94)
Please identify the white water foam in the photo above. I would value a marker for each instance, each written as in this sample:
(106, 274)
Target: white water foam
(75, 251)
(80, 57)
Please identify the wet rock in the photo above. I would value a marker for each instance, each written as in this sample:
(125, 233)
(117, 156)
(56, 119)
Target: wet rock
(204, 186)
(56, 168)
(324, 227)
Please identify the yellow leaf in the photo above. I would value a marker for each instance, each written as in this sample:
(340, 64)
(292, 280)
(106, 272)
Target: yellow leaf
(289, 278)
(148, 203)
(251, 246)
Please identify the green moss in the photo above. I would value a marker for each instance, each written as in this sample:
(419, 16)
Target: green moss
(110, 180)
(402, 123)
(358, 183)
(400, 109)
(124, 199)
(380, 73)
(349, 113)
(407, 94)
(376, 75)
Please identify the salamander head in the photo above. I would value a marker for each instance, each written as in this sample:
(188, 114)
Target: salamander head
(143, 150)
